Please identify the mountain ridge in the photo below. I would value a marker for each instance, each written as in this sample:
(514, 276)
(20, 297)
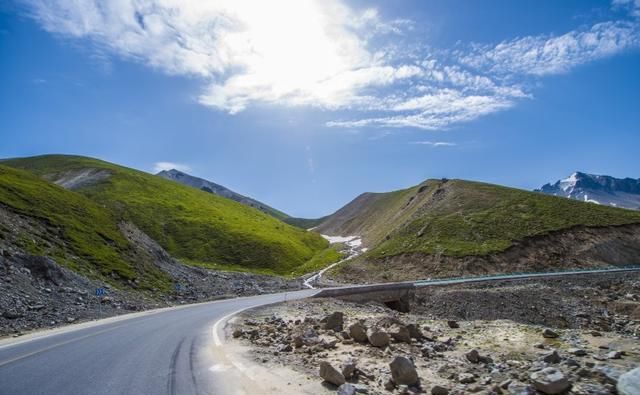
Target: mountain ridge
(220, 190)
(599, 189)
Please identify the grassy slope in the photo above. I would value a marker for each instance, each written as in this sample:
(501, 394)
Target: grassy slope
(462, 218)
(89, 231)
(304, 223)
(189, 223)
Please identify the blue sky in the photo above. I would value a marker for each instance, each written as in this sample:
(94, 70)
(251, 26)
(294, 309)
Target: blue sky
(306, 104)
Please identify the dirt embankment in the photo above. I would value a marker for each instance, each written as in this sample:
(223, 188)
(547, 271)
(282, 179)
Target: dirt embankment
(580, 247)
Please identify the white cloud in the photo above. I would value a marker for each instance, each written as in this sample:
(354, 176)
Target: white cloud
(435, 143)
(323, 53)
(160, 166)
(540, 55)
(631, 6)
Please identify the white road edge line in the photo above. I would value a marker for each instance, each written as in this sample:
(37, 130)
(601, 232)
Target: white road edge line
(44, 333)
(215, 328)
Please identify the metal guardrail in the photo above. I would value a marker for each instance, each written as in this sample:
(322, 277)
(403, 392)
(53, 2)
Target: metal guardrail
(366, 288)
(524, 275)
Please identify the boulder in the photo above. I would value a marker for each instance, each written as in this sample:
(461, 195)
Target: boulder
(453, 324)
(400, 333)
(473, 356)
(331, 374)
(414, 331)
(552, 357)
(334, 321)
(466, 378)
(549, 334)
(378, 337)
(358, 332)
(403, 371)
(550, 381)
(439, 390)
(629, 383)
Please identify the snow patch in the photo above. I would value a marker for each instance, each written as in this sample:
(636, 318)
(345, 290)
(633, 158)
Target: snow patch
(569, 182)
(586, 199)
(339, 239)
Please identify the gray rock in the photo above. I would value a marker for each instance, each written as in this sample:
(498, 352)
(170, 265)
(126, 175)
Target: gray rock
(330, 374)
(439, 390)
(466, 378)
(517, 388)
(629, 383)
(348, 369)
(346, 389)
(549, 334)
(578, 352)
(473, 356)
(403, 371)
(550, 381)
(614, 355)
(358, 332)
(453, 324)
(389, 385)
(12, 314)
(400, 333)
(552, 357)
(334, 321)
(414, 331)
(377, 337)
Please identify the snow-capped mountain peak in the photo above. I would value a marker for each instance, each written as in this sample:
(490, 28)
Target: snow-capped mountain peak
(599, 189)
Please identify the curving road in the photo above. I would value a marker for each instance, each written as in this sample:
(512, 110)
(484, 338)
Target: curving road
(167, 351)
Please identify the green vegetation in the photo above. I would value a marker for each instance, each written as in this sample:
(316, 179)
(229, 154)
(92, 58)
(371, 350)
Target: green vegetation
(304, 223)
(92, 243)
(200, 227)
(462, 218)
(321, 260)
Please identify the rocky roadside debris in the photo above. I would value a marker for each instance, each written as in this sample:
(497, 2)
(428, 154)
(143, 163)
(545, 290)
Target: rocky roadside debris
(36, 293)
(350, 348)
(602, 302)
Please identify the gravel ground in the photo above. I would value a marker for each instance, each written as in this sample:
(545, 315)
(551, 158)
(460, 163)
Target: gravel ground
(484, 339)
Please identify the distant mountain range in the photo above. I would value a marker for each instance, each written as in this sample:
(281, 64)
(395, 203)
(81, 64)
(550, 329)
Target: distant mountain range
(212, 187)
(217, 189)
(605, 190)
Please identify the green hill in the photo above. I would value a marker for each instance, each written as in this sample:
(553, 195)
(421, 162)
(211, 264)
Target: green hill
(198, 227)
(76, 231)
(455, 218)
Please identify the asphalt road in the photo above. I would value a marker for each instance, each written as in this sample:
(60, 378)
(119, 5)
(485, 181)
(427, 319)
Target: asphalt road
(160, 352)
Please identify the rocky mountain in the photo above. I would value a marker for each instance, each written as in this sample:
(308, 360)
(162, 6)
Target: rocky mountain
(212, 187)
(605, 190)
(443, 228)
